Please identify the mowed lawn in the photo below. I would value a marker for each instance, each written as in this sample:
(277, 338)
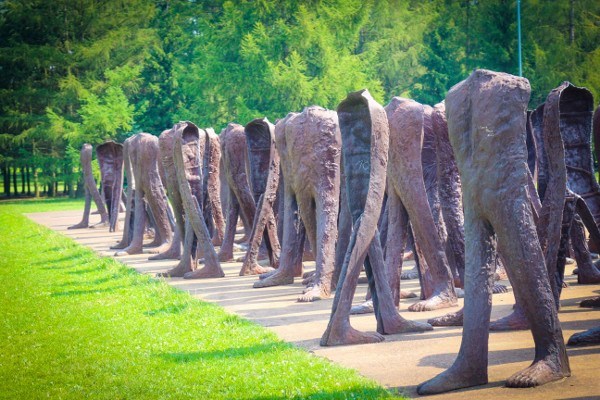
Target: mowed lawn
(74, 325)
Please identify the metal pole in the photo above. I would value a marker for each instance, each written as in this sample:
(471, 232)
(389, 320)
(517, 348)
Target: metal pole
(519, 36)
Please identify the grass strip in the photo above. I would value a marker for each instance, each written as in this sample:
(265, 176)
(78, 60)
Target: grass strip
(75, 325)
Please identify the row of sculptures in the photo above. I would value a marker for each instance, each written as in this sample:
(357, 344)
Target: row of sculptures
(476, 186)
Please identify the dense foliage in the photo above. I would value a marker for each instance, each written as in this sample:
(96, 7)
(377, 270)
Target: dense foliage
(75, 71)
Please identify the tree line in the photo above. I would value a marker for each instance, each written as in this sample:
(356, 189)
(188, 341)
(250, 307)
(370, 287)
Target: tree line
(77, 71)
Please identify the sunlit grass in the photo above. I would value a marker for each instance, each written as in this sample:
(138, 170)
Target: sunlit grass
(75, 326)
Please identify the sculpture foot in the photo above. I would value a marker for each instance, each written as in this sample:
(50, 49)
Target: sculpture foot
(434, 303)
(254, 269)
(276, 279)
(267, 274)
(408, 256)
(348, 336)
(401, 325)
(177, 272)
(589, 277)
(129, 251)
(585, 338)
(364, 308)
(170, 254)
(450, 319)
(408, 275)
(516, 321)
(225, 257)
(538, 373)
(203, 273)
(159, 249)
(308, 278)
(454, 378)
(405, 294)
(118, 246)
(498, 288)
(80, 225)
(314, 293)
(594, 302)
(217, 241)
(101, 224)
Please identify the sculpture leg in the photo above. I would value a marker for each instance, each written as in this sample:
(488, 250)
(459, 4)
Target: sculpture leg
(339, 331)
(250, 265)
(389, 321)
(90, 183)
(85, 220)
(226, 250)
(321, 226)
(594, 302)
(588, 273)
(186, 261)
(590, 337)
(396, 240)
(139, 223)
(427, 240)
(470, 366)
(174, 250)
(514, 229)
(292, 247)
(158, 206)
(344, 233)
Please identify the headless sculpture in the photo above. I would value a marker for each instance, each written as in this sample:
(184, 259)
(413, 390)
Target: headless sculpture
(408, 200)
(166, 143)
(561, 122)
(576, 107)
(110, 158)
(450, 194)
(188, 157)
(486, 121)
(240, 200)
(91, 191)
(143, 156)
(213, 182)
(309, 145)
(263, 167)
(129, 198)
(365, 134)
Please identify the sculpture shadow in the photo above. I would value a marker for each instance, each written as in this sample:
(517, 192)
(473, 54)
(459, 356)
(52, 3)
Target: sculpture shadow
(411, 391)
(174, 309)
(84, 292)
(499, 357)
(195, 356)
(83, 271)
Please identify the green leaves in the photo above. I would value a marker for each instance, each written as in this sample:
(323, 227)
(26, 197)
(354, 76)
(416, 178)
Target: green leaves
(107, 69)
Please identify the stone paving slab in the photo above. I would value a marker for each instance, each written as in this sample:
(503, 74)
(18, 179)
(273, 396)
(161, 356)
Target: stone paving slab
(402, 361)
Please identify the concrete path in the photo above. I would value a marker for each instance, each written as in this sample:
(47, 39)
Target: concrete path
(402, 361)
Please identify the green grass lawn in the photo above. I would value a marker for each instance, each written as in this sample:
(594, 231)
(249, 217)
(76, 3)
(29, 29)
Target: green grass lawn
(74, 325)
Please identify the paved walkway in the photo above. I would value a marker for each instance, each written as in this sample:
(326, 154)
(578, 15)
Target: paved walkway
(402, 361)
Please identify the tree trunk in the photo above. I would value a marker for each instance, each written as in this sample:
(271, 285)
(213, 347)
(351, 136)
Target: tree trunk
(71, 183)
(36, 185)
(572, 23)
(15, 185)
(50, 192)
(6, 179)
(28, 179)
(22, 181)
